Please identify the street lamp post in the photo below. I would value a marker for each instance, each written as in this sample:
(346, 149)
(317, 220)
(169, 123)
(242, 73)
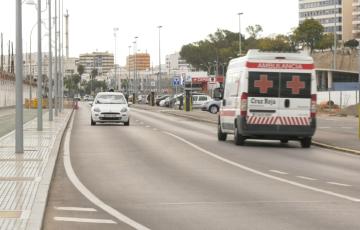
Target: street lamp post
(128, 78)
(50, 68)
(39, 80)
(19, 131)
(240, 51)
(159, 80)
(56, 80)
(135, 66)
(115, 38)
(335, 36)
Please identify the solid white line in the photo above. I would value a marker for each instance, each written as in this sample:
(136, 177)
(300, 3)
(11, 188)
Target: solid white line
(84, 220)
(306, 178)
(339, 184)
(348, 127)
(354, 199)
(86, 192)
(77, 209)
(324, 127)
(278, 172)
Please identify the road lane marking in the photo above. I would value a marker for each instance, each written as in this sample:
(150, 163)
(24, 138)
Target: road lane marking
(77, 209)
(148, 126)
(86, 192)
(84, 220)
(348, 127)
(324, 127)
(306, 178)
(354, 199)
(155, 129)
(278, 172)
(339, 184)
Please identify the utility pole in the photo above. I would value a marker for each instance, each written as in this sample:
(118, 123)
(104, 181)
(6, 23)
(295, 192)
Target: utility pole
(50, 85)
(240, 51)
(56, 80)
(159, 82)
(2, 54)
(19, 130)
(39, 80)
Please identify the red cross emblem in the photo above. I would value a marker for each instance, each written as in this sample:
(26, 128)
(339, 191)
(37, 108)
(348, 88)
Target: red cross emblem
(263, 84)
(295, 85)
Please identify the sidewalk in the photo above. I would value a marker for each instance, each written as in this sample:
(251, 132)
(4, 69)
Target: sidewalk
(25, 178)
(328, 138)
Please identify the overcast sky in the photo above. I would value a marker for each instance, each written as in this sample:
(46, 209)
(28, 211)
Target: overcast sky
(185, 21)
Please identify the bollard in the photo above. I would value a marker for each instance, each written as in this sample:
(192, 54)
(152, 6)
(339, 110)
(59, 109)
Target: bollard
(359, 118)
(152, 99)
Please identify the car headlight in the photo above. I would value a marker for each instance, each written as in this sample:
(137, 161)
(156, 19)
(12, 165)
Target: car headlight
(97, 109)
(123, 110)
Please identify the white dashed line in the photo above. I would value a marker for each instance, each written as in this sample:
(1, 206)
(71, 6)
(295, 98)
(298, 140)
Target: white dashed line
(347, 127)
(148, 126)
(278, 172)
(155, 129)
(306, 178)
(243, 167)
(84, 220)
(77, 209)
(324, 127)
(339, 184)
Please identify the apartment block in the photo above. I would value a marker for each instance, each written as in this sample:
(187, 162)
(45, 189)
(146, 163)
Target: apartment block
(140, 61)
(102, 61)
(331, 14)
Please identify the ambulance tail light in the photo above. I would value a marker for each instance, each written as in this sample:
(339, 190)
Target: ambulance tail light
(244, 104)
(313, 105)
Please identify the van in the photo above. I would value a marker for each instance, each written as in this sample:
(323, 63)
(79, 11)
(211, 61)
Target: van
(269, 96)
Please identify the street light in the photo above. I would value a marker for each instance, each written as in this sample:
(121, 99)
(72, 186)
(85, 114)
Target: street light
(115, 38)
(19, 130)
(135, 66)
(128, 78)
(159, 80)
(240, 51)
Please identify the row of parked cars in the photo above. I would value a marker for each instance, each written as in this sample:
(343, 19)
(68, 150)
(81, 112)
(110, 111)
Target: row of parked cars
(199, 101)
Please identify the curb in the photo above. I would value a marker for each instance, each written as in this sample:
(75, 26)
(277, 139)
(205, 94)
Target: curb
(322, 145)
(36, 217)
(315, 143)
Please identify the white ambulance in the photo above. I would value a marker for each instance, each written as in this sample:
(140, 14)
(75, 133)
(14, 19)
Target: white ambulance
(269, 96)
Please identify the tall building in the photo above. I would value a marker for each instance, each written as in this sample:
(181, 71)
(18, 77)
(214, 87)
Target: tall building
(174, 62)
(356, 19)
(142, 61)
(102, 61)
(329, 12)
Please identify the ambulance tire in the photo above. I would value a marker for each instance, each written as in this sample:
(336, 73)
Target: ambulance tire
(305, 142)
(238, 138)
(221, 136)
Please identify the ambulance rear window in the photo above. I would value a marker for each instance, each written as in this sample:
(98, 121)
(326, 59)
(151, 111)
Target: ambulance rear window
(263, 84)
(295, 85)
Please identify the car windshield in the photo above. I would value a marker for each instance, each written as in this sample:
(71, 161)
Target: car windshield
(110, 99)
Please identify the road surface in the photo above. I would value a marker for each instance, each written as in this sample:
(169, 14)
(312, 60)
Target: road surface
(166, 172)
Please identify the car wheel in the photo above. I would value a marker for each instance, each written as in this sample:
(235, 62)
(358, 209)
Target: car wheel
(284, 141)
(221, 136)
(306, 142)
(93, 122)
(213, 109)
(238, 138)
(127, 123)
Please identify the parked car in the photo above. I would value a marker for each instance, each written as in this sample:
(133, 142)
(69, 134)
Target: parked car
(198, 99)
(160, 98)
(110, 107)
(212, 106)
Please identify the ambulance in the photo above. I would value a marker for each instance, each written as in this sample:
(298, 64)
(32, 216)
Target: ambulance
(269, 96)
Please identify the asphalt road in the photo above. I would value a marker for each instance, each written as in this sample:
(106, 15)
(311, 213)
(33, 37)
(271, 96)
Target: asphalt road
(166, 172)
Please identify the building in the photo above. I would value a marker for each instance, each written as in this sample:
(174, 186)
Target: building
(356, 19)
(142, 61)
(329, 12)
(174, 62)
(102, 61)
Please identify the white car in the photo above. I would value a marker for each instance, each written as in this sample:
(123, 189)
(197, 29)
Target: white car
(110, 107)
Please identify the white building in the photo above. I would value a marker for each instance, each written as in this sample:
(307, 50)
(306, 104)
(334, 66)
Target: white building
(356, 19)
(329, 12)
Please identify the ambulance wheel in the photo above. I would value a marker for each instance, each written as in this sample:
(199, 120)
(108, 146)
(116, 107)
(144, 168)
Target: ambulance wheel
(306, 142)
(238, 138)
(221, 136)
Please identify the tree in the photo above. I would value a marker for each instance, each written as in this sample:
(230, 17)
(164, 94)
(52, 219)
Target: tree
(94, 73)
(280, 43)
(80, 69)
(254, 31)
(353, 43)
(217, 48)
(326, 42)
(309, 33)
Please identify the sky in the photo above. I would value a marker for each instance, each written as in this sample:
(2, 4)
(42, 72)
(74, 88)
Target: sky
(91, 23)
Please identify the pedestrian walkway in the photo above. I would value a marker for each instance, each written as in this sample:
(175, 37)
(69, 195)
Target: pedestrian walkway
(25, 178)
